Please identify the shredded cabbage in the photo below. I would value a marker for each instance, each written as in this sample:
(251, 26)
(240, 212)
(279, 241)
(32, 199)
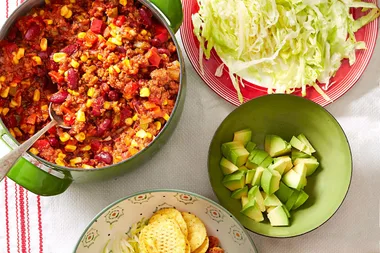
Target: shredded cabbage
(282, 44)
(128, 242)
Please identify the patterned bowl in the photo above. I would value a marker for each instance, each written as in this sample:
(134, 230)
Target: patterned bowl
(117, 218)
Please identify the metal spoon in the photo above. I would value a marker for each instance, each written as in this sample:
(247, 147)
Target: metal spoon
(10, 159)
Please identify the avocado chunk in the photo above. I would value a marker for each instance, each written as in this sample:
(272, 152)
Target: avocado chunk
(278, 217)
(239, 193)
(284, 160)
(266, 162)
(250, 146)
(302, 170)
(305, 141)
(243, 168)
(293, 180)
(254, 193)
(286, 211)
(238, 156)
(227, 166)
(302, 197)
(272, 200)
(311, 164)
(249, 176)
(252, 211)
(244, 201)
(257, 177)
(234, 181)
(276, 146)
(278, 166)
(292, 200)
(243, 136)
(257, 156)
(284, 192)
(298, 154)
(296, 143)
(270, 181)
(228, 146)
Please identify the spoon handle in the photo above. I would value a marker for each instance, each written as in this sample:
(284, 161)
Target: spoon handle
(8, 160)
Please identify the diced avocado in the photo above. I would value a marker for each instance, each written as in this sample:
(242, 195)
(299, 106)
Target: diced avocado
(284, 192)
(263, 194)
(257, 177)
(228, 146)
(234, 181)
(238, 156)
(249, 176)
(267, 162)
(227, 166)
(292, 200)
(296, 143)
(237, 194)
(310, 163)
(302, 170)
(298, 154)
(250, 165)
(278, 166)
(278, 217)
(252, 210)
(244, 201)
(270, 181)
(254, 193)
(272, 200)
(243, 136)
(302, 197)
(303, 138)
(286, 211)
(257, 157)
(276, 146)
(293, 179)
(286, 160)
(243, 168)
(270, 208)
(250, 146)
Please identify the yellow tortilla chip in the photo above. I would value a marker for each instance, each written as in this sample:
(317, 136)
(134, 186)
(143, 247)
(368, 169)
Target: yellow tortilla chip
(204, 247)
(196, 230)
(172, 214)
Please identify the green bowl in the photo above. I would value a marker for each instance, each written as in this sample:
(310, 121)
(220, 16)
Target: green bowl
(288, 115)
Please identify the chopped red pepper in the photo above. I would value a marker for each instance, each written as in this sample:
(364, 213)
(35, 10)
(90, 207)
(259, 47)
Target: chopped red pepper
(153, 57)
(120, 20)
(161, 33)
(91, 37)
(56, 77)
(69, 119)
(97, 26)
(31, 119)
(42, 144)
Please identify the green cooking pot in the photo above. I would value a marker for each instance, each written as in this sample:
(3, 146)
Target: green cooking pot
(48, 179)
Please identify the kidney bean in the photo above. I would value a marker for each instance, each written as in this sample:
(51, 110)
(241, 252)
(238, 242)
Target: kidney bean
(96, 106)
(125, 113)
(12, 33)
(73, 79)
(163, 51)
(95, 145)
(121, 50)
(33, 32)
(104, 126)
(146, 17)
(52, 65)
(113, 95)
(53, 142)
(70, 49)
(104, 157)
(155, 42)
(10, 121)
(59, 97)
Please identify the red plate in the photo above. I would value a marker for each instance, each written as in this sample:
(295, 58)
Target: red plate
(344, 79)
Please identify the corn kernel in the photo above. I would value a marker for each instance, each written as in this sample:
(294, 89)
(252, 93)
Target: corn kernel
(116, 119)
(13, 84)
(12, 132)
(76, 160)
(58, 161)
(70, 148)
(134, 143)
(13, 104)
(133, 151)
(32, 130)
(61, 155)
(84, 58)
(17, 131)
(20, 53)
(43, 44)
(73, 92)
(34, 151)
(64, 137)
(57, 57)
(100, 57)
(129, 121)
(48, 21)
(115, 41)
(64, 10)
(5, 111)
(25, 82)
(144, 126)
(86, 148)
(69, 14)
(42, 12)
(86, 166)
(81, 117)
(73, 1)
(36, 95)
(107, 105)
(116, 68)
(143, 32)
(127, 63)
(80, 137)
(141, 134)
(123, 2)
(135, 117)
(158, 125)
(74, 64)
(44, 107)
(91, 92)
(165, 102)
(2, 78)
(81, 35)
(144, 92)
(149, 135)
(37, 59)
(166, 117)
(89, 103)
(47, 1)
(15, 61)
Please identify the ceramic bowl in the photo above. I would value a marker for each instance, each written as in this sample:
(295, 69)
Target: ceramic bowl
(117, 218)
(288, 115)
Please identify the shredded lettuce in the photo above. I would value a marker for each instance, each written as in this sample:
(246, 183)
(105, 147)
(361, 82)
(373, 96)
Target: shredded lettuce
(283, 44)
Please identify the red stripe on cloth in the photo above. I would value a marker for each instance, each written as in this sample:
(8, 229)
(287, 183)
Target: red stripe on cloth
(22, 220)
(6, 8)
(40, 223)
(27, 221)
(17, 216)
(7, 215)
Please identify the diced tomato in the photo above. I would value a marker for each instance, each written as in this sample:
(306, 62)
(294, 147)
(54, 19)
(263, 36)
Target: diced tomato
(97, 26)
(31, 119)
(69, 119)
(66, 110)
(42, 144)
(161, 33)
(91, 37)
(163, 37)
(52, 131)
(56, 77)
(130, 89)
(153, 57)
(120, 20)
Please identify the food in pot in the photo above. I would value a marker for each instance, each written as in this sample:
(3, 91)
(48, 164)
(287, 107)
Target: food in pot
(110, 69)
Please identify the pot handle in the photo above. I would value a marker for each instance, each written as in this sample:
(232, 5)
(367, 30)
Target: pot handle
(32, 177)
(172, 9)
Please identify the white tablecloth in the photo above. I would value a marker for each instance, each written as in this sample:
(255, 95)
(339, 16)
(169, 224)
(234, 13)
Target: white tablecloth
(54, 224)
